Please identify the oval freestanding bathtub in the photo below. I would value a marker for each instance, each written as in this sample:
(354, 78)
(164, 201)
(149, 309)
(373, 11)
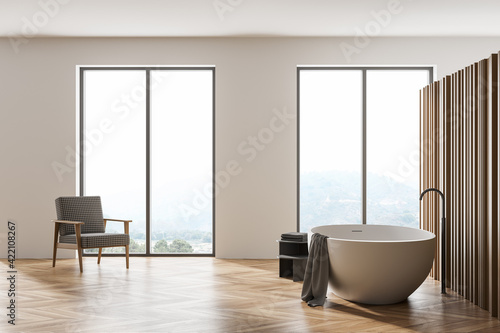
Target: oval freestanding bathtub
(377, 264)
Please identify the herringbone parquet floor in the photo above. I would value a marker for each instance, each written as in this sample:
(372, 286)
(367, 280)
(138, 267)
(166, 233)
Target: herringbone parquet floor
(210, 295)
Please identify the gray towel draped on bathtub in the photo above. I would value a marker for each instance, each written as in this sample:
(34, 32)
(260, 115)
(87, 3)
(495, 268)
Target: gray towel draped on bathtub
(316, 276)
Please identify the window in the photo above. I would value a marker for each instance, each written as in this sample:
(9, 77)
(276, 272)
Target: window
(330, 161)
(359, 145)
(147, 149)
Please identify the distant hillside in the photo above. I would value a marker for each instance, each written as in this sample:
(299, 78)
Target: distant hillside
(334, 197)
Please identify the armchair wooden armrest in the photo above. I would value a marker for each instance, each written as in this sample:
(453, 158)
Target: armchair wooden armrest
(68, 222)
(117, 220)
(125, 223)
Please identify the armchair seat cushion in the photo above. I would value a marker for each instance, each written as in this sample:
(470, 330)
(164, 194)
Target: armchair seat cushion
(94, 240)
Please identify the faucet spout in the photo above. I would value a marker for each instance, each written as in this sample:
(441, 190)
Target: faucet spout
(443, 237)
(440, 194)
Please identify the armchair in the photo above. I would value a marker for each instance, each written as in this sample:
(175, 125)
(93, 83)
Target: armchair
(80, 225)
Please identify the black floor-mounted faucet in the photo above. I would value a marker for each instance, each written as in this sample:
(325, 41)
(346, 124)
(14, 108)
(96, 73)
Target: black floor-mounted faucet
(443, 238)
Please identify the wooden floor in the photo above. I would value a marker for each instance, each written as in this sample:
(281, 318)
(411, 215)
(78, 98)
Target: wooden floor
(210, 295)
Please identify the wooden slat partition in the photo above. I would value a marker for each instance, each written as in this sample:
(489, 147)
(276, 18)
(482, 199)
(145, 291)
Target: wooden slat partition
(460, 141)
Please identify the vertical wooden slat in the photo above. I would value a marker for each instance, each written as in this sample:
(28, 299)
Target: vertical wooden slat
(431, 135)
(498, 186)
(492, 191)
(456, 236)
(462, 201)
(463, 179)
(448, 165)
(482, 190)
(436, 165)
(467, 186)
(430, 152)
(480, 184)
(453, 254)
(443, 162)
(460, 184)
(468, 196)
(471, 182)
(486, 244)
(475, 201)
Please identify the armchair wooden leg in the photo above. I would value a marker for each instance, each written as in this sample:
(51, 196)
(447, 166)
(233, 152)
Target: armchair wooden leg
(100, 249)
(79, 244)
(80, 259)
(126, 230)
(126, 254)
(56, 235)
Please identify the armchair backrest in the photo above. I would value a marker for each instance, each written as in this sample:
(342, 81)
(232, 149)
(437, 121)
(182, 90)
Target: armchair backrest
(84, 209)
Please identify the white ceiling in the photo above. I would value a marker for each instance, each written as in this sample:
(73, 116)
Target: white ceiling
(248, 18)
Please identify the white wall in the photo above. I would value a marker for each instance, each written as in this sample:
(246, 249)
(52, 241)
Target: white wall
(254, 77)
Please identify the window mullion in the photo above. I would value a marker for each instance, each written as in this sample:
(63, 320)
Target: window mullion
(148, 163)
(363, 157)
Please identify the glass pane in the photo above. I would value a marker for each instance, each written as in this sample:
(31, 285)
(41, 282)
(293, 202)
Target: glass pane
(393, 146)
(330, 147)
(181, 161)
(115, 149)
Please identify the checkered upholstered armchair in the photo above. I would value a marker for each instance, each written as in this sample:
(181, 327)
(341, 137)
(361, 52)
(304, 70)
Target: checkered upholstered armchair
(80, 225)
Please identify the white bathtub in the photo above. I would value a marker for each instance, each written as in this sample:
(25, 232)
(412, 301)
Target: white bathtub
(377, 264)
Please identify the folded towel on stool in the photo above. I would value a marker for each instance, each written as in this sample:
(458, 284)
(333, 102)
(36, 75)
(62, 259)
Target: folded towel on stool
(294, 236)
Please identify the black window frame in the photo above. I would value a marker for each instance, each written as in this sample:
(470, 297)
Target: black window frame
(81, 164)
(364, 70)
